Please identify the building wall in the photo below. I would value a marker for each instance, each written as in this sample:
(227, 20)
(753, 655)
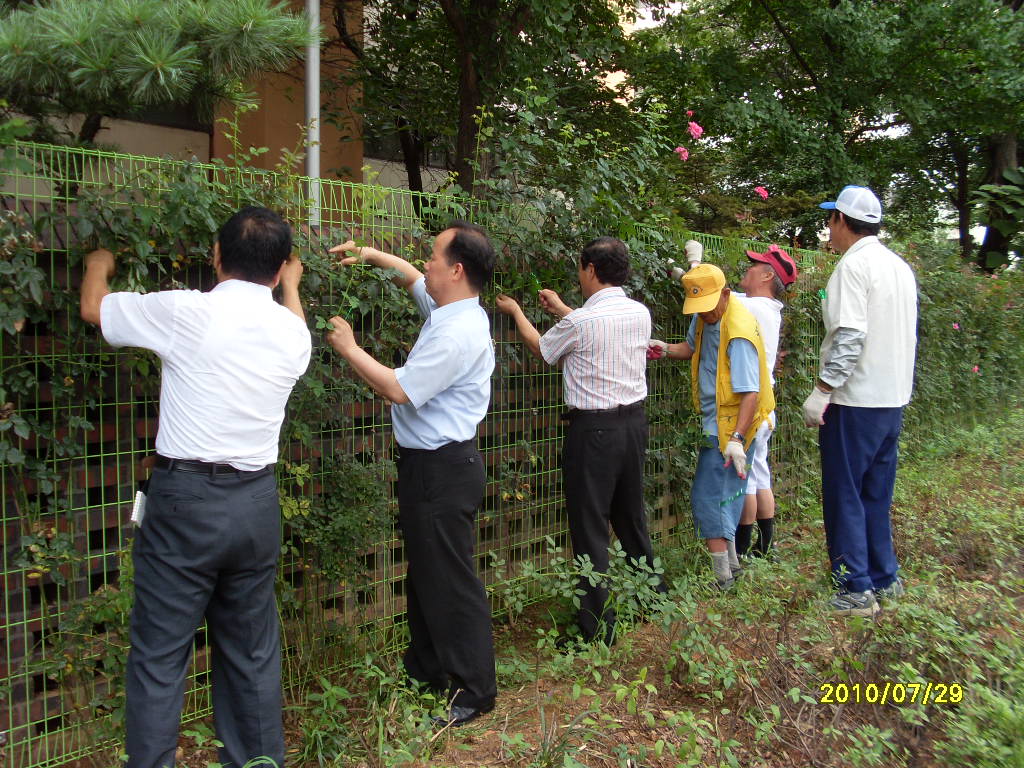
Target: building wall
(279, 122)
(136, 138)
(390, 173)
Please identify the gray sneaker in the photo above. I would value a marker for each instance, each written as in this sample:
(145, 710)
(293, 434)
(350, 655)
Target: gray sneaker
(894, 591)
(854, 604)
(724, 586)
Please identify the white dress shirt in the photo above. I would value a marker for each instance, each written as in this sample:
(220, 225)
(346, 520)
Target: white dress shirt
(230, 359)
(603, 349)
(447, 376)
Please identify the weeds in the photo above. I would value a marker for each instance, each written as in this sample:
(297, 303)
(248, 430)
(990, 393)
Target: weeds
(702, 679)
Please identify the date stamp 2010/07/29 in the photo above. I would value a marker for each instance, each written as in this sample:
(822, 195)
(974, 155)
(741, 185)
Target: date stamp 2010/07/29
(891, 693)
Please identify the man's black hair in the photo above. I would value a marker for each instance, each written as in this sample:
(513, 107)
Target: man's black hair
(859, 227)
(254, 243)
(610, 259)
(471, 248)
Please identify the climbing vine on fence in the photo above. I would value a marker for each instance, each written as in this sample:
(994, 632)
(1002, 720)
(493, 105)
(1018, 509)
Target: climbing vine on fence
(160, 219)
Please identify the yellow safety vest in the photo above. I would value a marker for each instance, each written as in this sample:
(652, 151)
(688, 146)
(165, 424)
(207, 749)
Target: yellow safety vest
(736, 323)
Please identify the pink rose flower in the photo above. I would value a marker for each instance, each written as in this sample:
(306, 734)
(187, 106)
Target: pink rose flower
(762, 192)
(976, 369)
(683, 152)
(695, 130)
(689, 113)
(956, 326)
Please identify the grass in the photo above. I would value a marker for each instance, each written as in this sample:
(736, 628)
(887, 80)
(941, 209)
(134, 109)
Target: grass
(741, 679)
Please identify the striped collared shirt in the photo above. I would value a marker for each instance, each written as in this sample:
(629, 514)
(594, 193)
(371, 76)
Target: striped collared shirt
(602, 348)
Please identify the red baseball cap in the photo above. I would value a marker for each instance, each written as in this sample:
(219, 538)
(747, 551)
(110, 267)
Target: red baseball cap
(778, 260)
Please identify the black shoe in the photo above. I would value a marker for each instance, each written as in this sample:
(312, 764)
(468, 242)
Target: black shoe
(461, 715)
(566, 643)
(580, 642)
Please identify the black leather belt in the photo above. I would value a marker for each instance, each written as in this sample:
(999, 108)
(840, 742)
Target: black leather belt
(446, 448)
(616, 411)
(202, 467)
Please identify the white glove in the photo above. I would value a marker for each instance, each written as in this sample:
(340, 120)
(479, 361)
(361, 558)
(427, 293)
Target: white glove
(735, 455)
(656, 349)
(814, 407)
(694, 253)
(674, 270)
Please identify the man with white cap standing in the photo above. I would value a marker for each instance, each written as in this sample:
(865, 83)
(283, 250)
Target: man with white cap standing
(865, 379)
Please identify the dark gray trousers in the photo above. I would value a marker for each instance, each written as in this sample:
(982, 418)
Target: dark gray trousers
(450, 644)
(208, 546)
(603, 476)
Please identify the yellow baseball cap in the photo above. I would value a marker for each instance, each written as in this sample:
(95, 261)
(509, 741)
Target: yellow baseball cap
(703, 286)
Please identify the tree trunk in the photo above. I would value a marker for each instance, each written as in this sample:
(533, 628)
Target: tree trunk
(475, 28)
(92, 125)
(1002, 154)
(412, 155)
(962, 201)
(469, 106)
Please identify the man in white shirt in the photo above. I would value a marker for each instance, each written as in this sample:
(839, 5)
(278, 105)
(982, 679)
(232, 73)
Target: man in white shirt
(209, 541)
(865, 380)
(439, 398)
(764, 285)
(602, 349)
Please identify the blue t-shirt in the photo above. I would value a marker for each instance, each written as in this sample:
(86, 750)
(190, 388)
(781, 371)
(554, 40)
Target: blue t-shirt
(745, 369)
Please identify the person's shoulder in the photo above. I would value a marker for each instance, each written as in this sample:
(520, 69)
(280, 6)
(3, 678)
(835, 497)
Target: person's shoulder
(175, 299)
(171, 294)
(289, 319)
(763, 303)
(739, 304)
(612, 304)
(465, 330)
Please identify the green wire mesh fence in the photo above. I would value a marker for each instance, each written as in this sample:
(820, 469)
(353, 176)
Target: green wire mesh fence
(80, 418)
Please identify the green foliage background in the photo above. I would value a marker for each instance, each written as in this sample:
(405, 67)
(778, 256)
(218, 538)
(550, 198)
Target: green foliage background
(160, 218)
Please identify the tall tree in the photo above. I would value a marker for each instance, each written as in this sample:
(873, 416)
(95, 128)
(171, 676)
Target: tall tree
(103, 58)
(902, 95)
(433, 71)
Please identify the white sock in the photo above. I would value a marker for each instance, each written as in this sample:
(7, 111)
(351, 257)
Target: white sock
(734, 561)
(720, 564)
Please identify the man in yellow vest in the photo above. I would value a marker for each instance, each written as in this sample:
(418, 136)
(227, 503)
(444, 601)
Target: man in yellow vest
(732, 390)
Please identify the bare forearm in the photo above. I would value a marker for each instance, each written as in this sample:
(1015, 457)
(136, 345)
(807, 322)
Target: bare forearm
(748, 406)
(680, 351)
(94, 288)
(407, 273)
(529, 334)
(380, 378)
(290, 299)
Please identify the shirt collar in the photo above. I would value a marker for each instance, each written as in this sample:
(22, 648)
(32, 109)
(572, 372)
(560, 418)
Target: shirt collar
(233, 285)
(862, 243)
(604, 293)
(455, 308)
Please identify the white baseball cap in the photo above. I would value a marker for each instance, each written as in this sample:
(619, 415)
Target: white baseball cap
(858, 203)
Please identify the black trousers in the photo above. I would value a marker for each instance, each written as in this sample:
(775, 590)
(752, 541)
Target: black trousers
(450, 644)
(603, 472)
(208, 546)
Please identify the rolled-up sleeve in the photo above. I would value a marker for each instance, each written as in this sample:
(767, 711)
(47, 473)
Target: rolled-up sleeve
(139, 320)
(559, 340)
(432, 367)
